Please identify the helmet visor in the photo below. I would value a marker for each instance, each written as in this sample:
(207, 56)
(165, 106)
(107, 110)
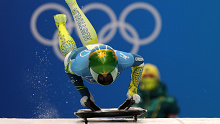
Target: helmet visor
(104, 79)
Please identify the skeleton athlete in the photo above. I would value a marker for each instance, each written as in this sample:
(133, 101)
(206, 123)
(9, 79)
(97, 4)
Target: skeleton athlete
(94, 62)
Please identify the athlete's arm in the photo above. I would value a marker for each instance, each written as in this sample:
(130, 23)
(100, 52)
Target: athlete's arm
(78, 83)
(136, 71)
(87, 99)
(136, 62)
(76, 80)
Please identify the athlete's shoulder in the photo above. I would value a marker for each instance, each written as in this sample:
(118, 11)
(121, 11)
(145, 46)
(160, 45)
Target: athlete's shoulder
(79, 61)
(125, 60)
(133, 59)
(124, 56)
(75, 52)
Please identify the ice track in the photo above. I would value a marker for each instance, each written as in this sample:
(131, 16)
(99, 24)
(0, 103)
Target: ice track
(112, 121)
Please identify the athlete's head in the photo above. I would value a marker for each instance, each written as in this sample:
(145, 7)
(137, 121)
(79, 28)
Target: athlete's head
(103, 64)
(150, 77)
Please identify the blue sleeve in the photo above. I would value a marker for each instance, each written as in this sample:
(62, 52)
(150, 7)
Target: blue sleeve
(78, 83)
(138, 60)
(76, 52)
(126, 60)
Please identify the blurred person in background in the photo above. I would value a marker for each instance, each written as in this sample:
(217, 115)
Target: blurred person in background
(154, 96)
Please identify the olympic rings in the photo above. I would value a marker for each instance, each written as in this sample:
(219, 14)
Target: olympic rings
(111, 27)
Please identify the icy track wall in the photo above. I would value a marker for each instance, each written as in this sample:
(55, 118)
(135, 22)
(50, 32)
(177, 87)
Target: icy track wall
(180, 37)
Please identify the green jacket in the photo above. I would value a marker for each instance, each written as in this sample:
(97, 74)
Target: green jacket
(158, 103)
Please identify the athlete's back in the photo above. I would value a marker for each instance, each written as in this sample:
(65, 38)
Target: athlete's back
(80, 61)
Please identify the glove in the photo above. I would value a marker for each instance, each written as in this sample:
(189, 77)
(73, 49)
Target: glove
(84, 100)
(136, 98)
(129, 101)
(89, 103)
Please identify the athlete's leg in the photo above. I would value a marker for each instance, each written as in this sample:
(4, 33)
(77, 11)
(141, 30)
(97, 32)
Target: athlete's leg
(85, 29)
(66, 42)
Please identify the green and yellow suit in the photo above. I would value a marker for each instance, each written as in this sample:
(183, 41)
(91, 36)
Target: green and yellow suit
(158, 103)
(154, 96)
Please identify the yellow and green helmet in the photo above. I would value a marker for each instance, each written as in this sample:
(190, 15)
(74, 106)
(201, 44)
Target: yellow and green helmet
(103, 64)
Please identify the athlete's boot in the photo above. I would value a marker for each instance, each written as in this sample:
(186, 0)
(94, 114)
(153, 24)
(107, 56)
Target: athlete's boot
(66, 42)
(69, 2)
(86, 32)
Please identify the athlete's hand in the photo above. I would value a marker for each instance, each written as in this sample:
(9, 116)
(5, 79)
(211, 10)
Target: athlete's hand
(84, 100)
(89, 103)
(136, 98)
(129, 101)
